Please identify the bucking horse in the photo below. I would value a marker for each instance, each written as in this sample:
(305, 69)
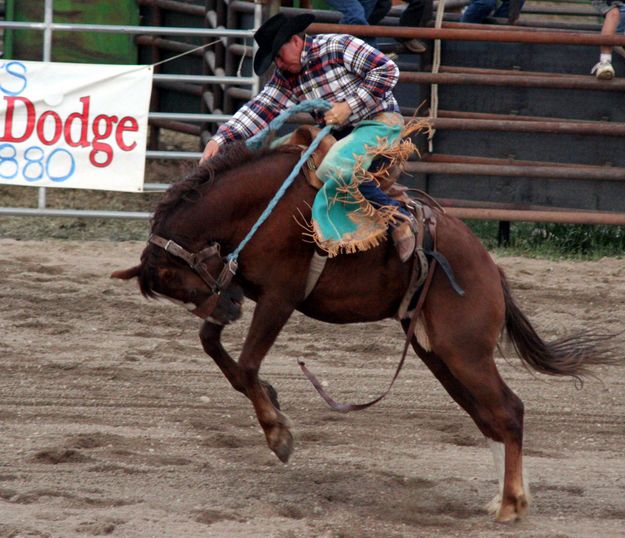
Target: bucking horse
(205, 217)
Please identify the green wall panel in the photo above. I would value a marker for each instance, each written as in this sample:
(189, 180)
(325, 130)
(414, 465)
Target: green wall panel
(83, 47)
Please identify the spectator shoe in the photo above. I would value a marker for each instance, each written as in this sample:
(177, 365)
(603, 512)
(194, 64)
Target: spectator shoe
(415, 45)
(603, 70)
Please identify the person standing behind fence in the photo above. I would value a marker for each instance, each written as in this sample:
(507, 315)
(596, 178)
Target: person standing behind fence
(477, 10)
(611, 10)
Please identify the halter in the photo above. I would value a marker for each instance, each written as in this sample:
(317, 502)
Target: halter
(197, 261)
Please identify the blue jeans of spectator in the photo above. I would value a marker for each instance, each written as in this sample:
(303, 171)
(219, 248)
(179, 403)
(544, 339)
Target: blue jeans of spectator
(355, 12)
(621, 25)
(478, 10)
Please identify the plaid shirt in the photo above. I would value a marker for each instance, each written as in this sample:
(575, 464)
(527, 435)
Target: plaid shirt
(335, 67)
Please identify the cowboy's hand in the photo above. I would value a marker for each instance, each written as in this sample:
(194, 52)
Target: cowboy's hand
(211, 149)
(338, 114)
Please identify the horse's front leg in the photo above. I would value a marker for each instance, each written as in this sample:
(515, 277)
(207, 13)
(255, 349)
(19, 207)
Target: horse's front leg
(269, 318)
(210, 336)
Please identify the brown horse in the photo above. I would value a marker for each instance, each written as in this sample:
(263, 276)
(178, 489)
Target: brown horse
(208, 214)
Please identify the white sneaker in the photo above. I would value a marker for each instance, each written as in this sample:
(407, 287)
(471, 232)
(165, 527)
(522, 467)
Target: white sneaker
(603, 70)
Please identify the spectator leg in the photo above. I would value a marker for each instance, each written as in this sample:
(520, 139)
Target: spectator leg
(478, 10)
(503, 11)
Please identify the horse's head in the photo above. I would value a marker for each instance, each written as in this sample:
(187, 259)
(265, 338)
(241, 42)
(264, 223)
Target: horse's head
(200, 282)
(218, 201)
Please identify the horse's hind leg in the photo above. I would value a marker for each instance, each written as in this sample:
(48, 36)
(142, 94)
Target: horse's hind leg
(497, 412)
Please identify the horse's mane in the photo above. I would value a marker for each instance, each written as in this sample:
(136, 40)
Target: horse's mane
(203, 176)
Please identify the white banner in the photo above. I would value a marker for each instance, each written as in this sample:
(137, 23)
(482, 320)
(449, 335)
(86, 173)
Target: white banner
(73, 125)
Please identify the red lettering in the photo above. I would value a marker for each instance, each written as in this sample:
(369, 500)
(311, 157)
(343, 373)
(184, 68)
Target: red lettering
(83, 118)
(97, 136)
(58, 127)
(8, 119)
(121, 129)
(103, 134)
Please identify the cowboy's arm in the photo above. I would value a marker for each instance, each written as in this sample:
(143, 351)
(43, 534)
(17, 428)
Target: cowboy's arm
(378, 72)
(251, 118)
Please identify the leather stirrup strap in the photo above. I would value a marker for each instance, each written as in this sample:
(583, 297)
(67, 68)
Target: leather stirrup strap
(345, 408)
(419, 264)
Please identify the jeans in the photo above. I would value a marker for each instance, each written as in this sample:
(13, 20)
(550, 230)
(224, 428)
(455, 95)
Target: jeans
(478, 10)
(355, 12)
(620, 29)
(378, 197)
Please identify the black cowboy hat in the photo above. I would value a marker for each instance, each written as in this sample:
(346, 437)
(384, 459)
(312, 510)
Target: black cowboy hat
(274, 33)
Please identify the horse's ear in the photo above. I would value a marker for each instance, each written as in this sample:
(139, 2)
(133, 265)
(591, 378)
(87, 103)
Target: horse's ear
(127, 274)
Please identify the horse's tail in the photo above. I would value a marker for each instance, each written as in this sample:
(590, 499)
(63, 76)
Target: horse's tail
(568, 356)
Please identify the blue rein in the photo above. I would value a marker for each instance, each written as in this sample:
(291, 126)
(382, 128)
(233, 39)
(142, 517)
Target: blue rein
(256, 141)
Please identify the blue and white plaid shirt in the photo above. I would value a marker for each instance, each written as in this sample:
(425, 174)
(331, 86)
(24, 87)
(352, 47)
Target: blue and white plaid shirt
(335, 67)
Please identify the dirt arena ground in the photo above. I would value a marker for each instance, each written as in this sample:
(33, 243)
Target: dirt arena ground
(114, 422)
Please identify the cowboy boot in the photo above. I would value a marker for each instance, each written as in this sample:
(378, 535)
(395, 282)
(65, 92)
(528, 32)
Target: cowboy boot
(404, 238)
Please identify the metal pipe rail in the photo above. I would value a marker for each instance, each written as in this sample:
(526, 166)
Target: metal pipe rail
(122, 29)
(563, 82)
(563, 217)
(491, 71)
(447, 158)
(72, 213)
(543, 37)
(546, 214)
(503, 117)
(469, 121)
(203, 79)
(554, 127)
(544, 172)
(556, 216)
(525, 24)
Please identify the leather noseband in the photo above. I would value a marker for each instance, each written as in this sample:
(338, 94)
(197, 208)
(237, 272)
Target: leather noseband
(197, 261)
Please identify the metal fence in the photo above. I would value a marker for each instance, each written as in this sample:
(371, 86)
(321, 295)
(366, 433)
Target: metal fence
(475, 185)
(47, 26)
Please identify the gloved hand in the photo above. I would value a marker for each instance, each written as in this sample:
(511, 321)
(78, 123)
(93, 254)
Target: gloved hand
(338, 114)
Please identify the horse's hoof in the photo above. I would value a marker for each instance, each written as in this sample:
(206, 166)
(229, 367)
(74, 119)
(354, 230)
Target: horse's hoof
(280, 439)
(283, 445)
(512, 511)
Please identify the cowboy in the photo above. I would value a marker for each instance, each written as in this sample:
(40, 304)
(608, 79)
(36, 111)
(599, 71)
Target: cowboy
(356, 78)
